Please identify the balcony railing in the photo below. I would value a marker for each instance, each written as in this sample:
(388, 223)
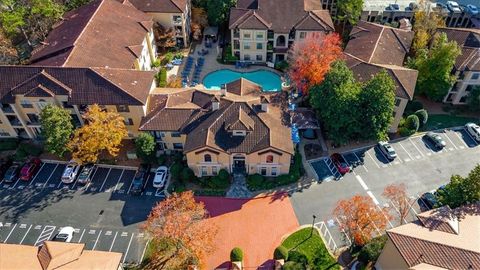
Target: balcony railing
(15, 122)
(6, 108)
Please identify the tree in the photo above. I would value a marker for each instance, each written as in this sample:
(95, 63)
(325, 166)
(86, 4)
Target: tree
(425, 24)
(461, 190)
(349, 11)
(73, 4)
(199, 22)
(473, 99)
(397, 194)
(57, 129)
(435, 66)
(8, 53)
(103, 131)
(178, 225)
(310, 59)
(217, 11)
(145, 146)
(164, 38)
(377, 100)
(360, 219)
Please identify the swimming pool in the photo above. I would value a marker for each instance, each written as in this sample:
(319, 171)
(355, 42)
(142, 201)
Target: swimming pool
(267, 79)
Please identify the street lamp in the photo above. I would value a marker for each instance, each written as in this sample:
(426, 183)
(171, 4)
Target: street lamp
(313, 224)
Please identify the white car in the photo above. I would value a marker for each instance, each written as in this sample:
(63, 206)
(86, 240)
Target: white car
(387, 150)
(65, 235)
(160, 177)
(70, 172)
(474, 130)
(453, 7)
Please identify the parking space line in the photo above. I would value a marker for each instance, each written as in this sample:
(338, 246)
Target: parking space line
(324, 234)
(389, 163)
(374, 225)
(416, 147)
(14, 185)
(113, 242)
(462, 140)
(128, 248)
(10, 233)
(410, 156)
(36, 175)
(81, 236)
(45, 234)
(149, 176)
(106, 177)
(378, 166)
(343, 231)
(390, 223)
(131, 184)
(91, 179)
(363, 165)
(50, 175)
(360, 180)
(143, 253)
(96, 241)
(396, 208)
(446, 135)
(21, 241)
(118, 181)
(411, 205)
(373, 197)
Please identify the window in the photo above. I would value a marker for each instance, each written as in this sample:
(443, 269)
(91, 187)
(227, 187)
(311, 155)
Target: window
(66, 105)
(178, 146)
(207, 158)
(303, 35)
(469, 88)
(203, 170)
(239, 133)
(4, 133)
(259, 46)
(259, 57)
(259, 36)
(397, 102)
(247, 35)
(175, 134)
(32, 117)
(214, 170)
(128, 121)
(269, 159)
(246, 46)
(122, 108)
(26, 103)
(475, 76)
(274, 171)
(177, 18)
(246, 57)
(263, 171)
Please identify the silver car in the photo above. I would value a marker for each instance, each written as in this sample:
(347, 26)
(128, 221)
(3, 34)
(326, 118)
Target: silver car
(474, 131)
(70, 172)
(387, 150)
(160, 177)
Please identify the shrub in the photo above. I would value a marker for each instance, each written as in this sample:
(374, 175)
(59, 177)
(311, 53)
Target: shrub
(405, 132)
(255, 181)
(175, 170)
(161, 160)
(297, 256)
(161, 77)
(280, 253)
(8, 144)
(422, 116)
(473, 99)
(236, 255)
(282, 66)
(26, 149)
(293, 266)
(145, 146)
(187, 175)
(413, 106)
(221, 180)
(371, 251)
(412, 122)
(156, 63)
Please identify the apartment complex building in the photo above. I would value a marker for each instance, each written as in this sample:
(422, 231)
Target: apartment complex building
(171, 14)
(263, 30)
(374, 47)
(467, 65)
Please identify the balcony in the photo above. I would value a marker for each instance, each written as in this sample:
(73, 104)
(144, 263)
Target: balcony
(177, 22)
(14, 121)
(270, 34)
(6, 108)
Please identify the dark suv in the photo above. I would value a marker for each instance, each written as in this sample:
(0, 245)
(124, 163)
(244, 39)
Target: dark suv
(140, 179)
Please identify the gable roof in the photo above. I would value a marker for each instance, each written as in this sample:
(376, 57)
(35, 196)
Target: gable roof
(98, 34)
(469, 42)
(243, 87)
(270, 14)
(81, 85)
(160, 6)
(379, 44)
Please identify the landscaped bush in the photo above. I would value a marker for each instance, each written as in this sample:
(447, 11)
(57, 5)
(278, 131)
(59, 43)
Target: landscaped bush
(297, 256)
(228, 57)
(282, 66)
(473, 99)
(161, 78)
(371, 251)
(156, 63)
(413, 106)
(422, 116)
(26, 149)
(177, 187)
(161, 160)
(187, 175)
(255, 180)
(175, 170)
(8, 144)
(412, 122)
(280, 253)
(405, 132)
(219, 181)
(210, 192)
(293, 266)
(236, 255)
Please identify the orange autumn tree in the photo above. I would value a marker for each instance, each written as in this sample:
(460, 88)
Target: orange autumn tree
(397, 194)
(180, 235)
(360, 219)
(310, 59)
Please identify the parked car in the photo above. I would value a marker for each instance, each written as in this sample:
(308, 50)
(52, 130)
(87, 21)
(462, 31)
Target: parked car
(29, 169)
(86, 174)
(160, 177)
(429, 200)
(474, 131)
(340, 163)
(471, 9)
(11, 175)
(436, 140)
(4, 165)
(65, 235)
(387, 150)
(442, 8)
(453, 7)
(393, 7)
(70, 172)
(140, 179)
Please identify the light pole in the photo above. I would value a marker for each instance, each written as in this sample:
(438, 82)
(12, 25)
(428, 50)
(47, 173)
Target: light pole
(313, 224)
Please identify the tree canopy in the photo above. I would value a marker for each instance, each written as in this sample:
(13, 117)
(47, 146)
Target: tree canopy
(435, 66)
(310, 59)
(349, 10)
(461, 190)
(218, 11)
(426, 23)
(145, 146)
(352, 110)
(398, 197)
(180, 234)
(199, 22)
(103, 131)
(57, 128)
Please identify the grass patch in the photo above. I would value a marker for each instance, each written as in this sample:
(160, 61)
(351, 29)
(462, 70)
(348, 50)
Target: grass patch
(440, 121)
(312, 247)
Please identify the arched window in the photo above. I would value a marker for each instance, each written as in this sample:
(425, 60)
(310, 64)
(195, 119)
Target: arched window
(207, 158)
(281, 41)
(269, 159)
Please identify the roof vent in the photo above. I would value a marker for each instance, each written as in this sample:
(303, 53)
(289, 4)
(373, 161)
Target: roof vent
(223, 90)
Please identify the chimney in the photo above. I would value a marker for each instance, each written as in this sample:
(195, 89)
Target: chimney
(215, 103)
(264, 103)
(223, 90)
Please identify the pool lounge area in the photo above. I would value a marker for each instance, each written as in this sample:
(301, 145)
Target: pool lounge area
(269, 81)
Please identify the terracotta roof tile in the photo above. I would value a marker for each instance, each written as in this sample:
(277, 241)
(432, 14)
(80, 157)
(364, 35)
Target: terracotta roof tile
(243, 87)
(160, 6)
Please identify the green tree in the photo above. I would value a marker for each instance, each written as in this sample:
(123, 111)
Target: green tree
(349, 11)
(435, 66)
(377, 101)
(145, 146)
(461, 190)
(73, 4)
(57, 128)
(217, 11)
(426, 23)
(473, 99)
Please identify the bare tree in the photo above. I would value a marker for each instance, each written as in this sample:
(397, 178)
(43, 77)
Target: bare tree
(397, 194)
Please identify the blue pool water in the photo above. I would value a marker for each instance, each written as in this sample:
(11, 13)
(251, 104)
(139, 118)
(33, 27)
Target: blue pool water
(267, 79)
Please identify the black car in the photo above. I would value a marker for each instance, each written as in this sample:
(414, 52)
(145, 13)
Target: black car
(428, 200)
(11, 175)
(86, 174)
(4, 165)
(140, 179)
(436, 140)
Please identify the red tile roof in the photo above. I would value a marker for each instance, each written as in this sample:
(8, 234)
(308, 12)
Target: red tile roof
(160, 6)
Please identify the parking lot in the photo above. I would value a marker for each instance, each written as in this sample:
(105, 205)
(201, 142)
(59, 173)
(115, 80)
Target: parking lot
(418, 165)
(131, 244)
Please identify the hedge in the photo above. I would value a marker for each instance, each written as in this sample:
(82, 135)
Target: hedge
(236, 255)
(161, 78)
(293, 266)
(26, 149)
(8, 144)
(412, 122)
(371, 251)
(280, 253)
(422, 116)
(413, 106)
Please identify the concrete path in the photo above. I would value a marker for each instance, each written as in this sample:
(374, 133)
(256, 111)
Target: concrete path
(239, 189)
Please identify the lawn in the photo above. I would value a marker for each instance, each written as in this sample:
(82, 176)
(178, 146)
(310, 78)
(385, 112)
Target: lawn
(440, 121)
(312, 246)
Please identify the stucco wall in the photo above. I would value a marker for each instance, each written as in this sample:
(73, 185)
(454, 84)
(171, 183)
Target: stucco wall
(390, 258)
(398, 114)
